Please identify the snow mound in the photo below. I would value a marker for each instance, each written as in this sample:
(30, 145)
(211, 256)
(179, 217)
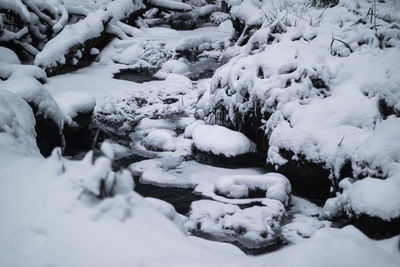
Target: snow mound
(301, 228)
(376, 156)
(173, 66)
(73, 103)
(275, 185)
(33, 92)
(160, 140)
(190, 128)
(168, 211)
(221, 141)
(253, 227)
(17, 125)
(8, 56)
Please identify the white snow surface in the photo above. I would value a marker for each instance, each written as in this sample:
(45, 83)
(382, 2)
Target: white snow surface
(220, 140)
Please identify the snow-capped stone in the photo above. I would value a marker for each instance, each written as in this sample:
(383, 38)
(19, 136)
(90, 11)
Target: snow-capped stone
(159, 140)
(253, 227)
(219, 140)
(275, 185)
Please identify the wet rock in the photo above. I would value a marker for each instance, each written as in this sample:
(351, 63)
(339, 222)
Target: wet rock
(243, 160)
(308, 179)
(184, 21)
(80, 136)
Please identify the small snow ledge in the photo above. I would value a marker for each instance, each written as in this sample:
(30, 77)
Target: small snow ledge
(275, 185)
(220, 140)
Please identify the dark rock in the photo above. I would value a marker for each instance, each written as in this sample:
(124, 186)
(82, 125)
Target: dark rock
(372, 226)
(48, 134)
(386, 110)
(184, 21)
(79, 137)
(308, 179)
(243, 160)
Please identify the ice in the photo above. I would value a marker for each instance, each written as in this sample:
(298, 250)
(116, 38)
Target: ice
(221, 141)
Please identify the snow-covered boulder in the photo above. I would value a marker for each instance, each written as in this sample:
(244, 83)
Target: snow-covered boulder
(301, 228)
(217, 144)
(160, 140)
(373, 202)
(253, 227)
(273, 185)
(17, 125)
(77, 108)
(25, 81)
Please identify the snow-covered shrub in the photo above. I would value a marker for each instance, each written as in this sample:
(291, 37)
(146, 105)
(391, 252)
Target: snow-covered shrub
(149, 54)
(253, 227)
(248, 90)
(274, 186)
(99, 178)
(193, 47)
(377, 159)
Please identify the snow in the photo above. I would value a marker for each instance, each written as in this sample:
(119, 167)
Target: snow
(168, 211)
(275, 185)
(173, 66)
(221, 141)
(159, 140)
(78, 33)
(301, 228)
(252, 227)
(190, 128)
(17, 125)
(32, 91)
(73, 103)
(8, 56)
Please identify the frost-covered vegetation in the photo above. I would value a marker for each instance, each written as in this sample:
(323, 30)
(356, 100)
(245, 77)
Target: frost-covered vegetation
(197, 132)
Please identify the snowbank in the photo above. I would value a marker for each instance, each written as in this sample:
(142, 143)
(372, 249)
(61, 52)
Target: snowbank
(221, 141)
(17, 125)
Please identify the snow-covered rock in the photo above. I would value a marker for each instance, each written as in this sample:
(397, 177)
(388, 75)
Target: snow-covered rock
(17, 125)
(219, 140)
(74, 103)
(160, 140)
(301, 228)
(275, 186)
(253, 227)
